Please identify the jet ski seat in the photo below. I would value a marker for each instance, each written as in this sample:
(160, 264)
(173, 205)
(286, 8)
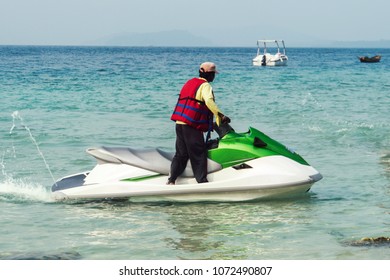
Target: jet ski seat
(154, 160)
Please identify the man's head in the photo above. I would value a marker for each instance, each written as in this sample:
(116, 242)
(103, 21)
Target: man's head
(207, 70)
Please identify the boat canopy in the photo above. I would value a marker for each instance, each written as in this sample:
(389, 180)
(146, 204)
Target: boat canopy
(264, 42)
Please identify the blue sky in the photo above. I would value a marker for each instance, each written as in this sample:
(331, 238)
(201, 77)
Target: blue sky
(231, 23)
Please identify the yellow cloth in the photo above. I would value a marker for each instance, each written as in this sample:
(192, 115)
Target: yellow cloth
(205, 94)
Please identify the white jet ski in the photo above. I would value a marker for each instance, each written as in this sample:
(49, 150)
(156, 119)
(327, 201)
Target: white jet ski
(242, 167)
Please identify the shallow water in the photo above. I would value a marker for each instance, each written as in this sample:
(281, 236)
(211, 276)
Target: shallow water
(326, 105)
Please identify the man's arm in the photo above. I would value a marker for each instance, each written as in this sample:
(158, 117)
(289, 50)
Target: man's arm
(205, 93)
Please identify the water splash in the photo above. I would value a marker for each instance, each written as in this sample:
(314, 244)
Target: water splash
(17, 117)
(17, 190)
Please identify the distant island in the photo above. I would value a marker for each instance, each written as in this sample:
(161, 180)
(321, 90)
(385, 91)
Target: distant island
(165, 39)
(225, 38)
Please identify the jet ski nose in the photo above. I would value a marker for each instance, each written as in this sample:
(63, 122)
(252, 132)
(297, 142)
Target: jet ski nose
(316, 177)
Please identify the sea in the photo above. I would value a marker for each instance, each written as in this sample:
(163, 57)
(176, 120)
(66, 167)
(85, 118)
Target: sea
(57, 101)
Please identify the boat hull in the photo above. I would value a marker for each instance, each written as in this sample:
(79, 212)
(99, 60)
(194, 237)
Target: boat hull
(270, 60)
(373, 59)
(265, 178)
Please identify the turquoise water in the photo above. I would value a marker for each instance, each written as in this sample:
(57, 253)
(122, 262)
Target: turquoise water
(326, 105)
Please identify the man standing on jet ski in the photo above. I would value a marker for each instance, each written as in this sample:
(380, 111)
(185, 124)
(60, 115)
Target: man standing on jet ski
(193, 115)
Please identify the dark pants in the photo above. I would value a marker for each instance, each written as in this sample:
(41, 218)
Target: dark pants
(190, 145)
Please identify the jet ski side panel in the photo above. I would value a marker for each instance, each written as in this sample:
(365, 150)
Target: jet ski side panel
(240, 147)
(262, 178)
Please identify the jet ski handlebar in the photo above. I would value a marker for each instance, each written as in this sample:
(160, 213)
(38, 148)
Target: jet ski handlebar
(222, 129)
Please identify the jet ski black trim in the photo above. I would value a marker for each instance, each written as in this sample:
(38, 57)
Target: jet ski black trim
(242, 166)
(259, 143)
(69, 182)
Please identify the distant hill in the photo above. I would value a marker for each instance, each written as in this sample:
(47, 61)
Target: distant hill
(227, 38)
(165, 38)
(361, 44)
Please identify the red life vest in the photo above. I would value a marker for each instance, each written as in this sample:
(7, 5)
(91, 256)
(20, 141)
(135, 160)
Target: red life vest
(190, 110)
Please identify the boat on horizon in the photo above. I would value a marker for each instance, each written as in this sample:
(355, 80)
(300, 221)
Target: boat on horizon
(265, 58)
(372, 59)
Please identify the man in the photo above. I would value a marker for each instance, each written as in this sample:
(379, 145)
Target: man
(193, 115)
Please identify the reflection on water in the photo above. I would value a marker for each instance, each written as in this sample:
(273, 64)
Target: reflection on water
(228, 231)
(185, 230)
(385, 162)
(198, 228)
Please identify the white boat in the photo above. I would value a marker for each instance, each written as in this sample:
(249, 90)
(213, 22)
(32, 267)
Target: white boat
(265, 58)
(242, 167)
